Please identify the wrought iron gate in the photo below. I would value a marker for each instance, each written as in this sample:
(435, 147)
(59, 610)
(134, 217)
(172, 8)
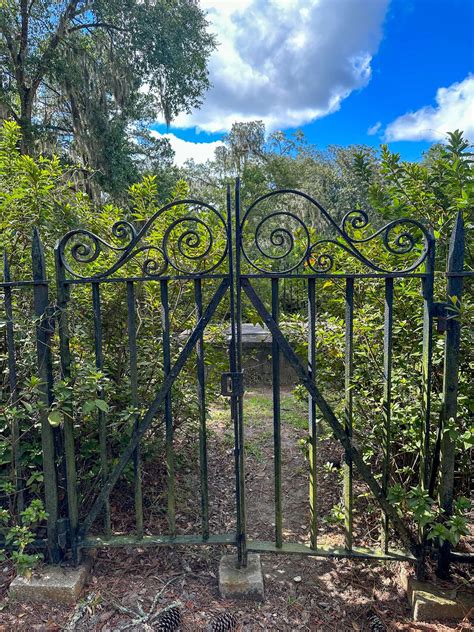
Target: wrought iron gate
(194, 246)
(274, 241)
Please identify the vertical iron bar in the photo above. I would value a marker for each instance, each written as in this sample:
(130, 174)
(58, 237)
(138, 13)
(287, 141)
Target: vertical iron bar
(425, 465)
(387, 400)
(165, 314)
(312, 427)
(427, 290)
(132, 350)
(349, 344)
(233, 368)
(276, 419)
(202, 416)
(13, 382)
(242, 548)
(62, 300)
(450, 380)
(45, 374)
(99, 363)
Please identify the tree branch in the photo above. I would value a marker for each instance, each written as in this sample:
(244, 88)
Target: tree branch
(58, 128)
(89, 25)
(56, 92)
(30, 8)
(24, 14)
(54, 41)
(11, 111)
(10, 44)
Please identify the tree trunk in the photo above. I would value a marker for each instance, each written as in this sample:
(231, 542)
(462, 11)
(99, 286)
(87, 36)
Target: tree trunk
(26, 114)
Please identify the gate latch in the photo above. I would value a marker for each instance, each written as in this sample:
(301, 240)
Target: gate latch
(232, 384)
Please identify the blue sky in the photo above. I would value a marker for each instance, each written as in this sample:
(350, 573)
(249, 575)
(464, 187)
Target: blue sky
(344, 71)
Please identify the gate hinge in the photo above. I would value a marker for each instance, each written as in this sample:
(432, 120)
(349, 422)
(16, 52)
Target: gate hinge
(232, 384)
(440, 312)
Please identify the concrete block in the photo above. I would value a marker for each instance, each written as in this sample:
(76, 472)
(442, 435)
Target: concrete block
(241, 583)
(51, 584)
(431, 603)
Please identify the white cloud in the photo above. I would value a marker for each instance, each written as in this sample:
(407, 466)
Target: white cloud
(373, 129)
(187, 150)
(454, 110)
(286, 62)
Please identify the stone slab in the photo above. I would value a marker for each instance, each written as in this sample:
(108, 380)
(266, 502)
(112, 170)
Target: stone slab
(51, 584)
(431, 603)
(241, 583)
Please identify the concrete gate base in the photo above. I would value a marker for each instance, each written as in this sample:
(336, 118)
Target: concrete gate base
(431, 603)
(53, 584)
(241, 583)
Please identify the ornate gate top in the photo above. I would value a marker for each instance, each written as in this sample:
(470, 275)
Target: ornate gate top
(188, 236)
(281, 232)
(277, 233)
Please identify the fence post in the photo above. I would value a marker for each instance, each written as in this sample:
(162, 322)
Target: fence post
(427, 367)
(236, 347)
(14, 394)
(45, 373)
(450, 380)
(428, 293)
(62, 299)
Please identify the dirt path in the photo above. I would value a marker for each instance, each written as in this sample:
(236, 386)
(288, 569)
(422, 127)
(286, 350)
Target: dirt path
(301, 593)
(295, 471)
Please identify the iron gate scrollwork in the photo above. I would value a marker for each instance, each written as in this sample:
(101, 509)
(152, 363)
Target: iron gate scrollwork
(198, 239)
(287, 234)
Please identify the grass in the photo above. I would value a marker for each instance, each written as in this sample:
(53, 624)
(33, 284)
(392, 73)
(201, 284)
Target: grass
(258, 405)
(294, 412)
(253, 446)
(219, 412)
(258, 408)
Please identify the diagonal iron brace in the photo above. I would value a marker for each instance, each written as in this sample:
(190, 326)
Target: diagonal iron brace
(155, 406)
(405, 534)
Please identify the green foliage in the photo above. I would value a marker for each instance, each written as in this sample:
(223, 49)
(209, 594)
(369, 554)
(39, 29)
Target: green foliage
(18, 537)
(38, 193)
(417, 504)
(283, 161)
(336, 515)
(433, 190)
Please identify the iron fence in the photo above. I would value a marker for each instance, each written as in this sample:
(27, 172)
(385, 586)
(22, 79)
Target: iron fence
(234, 252)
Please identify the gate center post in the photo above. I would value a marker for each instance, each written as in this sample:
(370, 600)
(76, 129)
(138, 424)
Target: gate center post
(240, 577)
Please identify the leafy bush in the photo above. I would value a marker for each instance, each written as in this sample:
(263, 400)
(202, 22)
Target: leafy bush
(434, 191)
(18, 537)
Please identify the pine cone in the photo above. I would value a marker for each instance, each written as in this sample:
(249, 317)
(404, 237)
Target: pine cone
(224, 622)
(376, 624)
(169, 621)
